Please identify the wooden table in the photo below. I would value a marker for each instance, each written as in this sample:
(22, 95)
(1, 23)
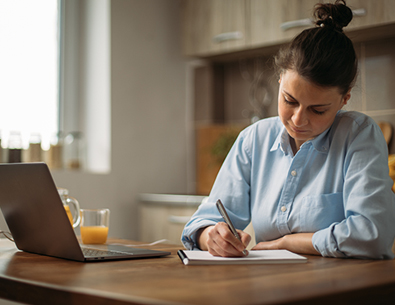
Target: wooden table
(38, 279)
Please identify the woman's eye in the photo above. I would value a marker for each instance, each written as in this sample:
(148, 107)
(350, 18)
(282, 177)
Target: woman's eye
(289, 102)
(318, 112)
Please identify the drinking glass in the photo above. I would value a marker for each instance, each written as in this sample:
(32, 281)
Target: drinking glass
(94, 225)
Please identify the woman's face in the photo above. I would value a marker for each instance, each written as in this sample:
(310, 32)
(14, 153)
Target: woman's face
(305, 109)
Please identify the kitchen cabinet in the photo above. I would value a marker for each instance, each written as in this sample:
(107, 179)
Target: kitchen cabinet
(372, 19)
(213, 26)
(267, 17)
(378, 12)
(248, 25)
(163, 216)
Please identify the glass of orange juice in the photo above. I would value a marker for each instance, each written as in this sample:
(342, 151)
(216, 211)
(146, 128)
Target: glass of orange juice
(94, 226)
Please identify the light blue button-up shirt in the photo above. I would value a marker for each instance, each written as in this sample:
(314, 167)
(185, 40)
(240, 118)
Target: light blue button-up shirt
(336, 186)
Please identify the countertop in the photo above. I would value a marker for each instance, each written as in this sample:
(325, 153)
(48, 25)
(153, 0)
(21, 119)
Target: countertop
(172, 199)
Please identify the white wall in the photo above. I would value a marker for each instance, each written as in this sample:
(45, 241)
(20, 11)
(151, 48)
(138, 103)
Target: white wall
(95, 82)
(149, 135)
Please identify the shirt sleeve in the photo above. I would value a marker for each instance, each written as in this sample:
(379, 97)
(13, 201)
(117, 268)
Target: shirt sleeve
(368, 229)
(232, 186)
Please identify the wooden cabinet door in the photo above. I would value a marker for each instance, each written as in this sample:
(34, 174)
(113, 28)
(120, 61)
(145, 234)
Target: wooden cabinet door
(267, 17)
(273, 22)
(213, 27)
(163, 222)
(378, 12)
(195, 26)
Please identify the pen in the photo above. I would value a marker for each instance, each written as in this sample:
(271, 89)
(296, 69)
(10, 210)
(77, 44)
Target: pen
(225, 216)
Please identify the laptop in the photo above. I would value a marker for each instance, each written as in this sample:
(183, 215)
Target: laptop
(38, 222)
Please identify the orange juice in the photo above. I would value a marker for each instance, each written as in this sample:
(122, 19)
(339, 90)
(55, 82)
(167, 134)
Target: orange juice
(94, 234)
(69, 215)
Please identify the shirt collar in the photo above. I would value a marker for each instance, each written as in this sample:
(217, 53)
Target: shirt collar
(282, 142)
(320, 142)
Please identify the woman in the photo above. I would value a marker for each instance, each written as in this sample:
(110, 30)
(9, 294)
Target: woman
(313, 180)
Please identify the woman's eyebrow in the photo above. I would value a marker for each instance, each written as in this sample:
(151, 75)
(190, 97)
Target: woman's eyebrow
(318, 105)
(289, 95)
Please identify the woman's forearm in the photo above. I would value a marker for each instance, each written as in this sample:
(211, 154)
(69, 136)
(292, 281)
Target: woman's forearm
(298, 243)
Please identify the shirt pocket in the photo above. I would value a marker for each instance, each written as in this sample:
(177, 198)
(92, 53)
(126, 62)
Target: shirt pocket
(320, 211)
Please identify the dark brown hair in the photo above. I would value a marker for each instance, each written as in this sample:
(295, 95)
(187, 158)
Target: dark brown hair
(323, 55)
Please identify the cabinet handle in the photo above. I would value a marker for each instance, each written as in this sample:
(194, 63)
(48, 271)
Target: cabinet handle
(307, 21)
(359, 12)
(227, 36)
(178, 219)
(295, 24)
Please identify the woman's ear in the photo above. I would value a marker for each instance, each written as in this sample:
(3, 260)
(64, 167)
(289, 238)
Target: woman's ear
(346, 98)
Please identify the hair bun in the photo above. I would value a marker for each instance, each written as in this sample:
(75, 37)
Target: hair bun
(337, 15)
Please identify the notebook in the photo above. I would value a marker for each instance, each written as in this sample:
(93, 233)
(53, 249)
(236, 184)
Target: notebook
(253, 257)
(38, 222)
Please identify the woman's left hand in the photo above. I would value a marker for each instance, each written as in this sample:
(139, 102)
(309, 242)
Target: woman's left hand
(298, 242)
(270, 245)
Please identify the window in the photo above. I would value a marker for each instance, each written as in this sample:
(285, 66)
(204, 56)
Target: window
(29, 69)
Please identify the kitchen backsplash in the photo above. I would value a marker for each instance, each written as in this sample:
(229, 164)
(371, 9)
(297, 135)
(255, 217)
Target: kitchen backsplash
(251, 87)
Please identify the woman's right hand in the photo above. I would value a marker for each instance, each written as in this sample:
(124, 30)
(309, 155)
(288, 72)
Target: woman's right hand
(220, 241)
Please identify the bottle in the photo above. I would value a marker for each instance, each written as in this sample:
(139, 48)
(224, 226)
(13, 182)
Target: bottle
(15, 147)
(55, 153)
(34, 151)
(74, 149)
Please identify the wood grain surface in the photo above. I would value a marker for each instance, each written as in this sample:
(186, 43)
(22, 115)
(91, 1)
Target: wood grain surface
(36, 279)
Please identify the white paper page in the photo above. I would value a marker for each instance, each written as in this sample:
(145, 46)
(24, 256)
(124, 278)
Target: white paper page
(258, 255)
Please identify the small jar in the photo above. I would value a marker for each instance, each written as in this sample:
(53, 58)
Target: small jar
(15, 147)
(74, 150)
(55, 152)
(34, 151)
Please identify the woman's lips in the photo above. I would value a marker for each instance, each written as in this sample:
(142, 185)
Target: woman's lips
(297, 130)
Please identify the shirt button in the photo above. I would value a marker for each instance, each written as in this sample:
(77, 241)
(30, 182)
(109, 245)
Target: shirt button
(283, 208)
(293, 173)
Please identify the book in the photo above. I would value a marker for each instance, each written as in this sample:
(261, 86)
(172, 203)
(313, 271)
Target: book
(254, 257)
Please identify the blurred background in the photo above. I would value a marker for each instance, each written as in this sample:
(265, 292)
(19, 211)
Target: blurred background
(142, 99)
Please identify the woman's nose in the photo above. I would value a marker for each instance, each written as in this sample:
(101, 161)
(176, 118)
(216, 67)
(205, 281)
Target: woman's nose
(300, 118)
